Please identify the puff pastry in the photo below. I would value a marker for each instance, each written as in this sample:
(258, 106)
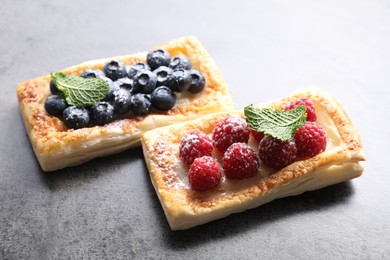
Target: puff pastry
(185, 208)
(57, 147)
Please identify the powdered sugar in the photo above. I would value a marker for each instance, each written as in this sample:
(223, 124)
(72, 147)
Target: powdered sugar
(240, 161)
(194, 145)
(228, 131)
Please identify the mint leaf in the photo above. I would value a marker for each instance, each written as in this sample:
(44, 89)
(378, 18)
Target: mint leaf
(79, 91)
(277, 123)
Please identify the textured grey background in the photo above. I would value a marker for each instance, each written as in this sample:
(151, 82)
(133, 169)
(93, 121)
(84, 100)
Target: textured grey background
(107, 208)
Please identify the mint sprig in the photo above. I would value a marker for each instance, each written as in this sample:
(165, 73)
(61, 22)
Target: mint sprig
(79, 91)
(277, 123)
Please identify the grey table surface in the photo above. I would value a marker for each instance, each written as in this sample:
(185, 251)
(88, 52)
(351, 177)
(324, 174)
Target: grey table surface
(107, 208)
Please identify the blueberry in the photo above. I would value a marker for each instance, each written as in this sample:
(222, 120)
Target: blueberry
(76, 117)
(140, 104)
(181, 62)
(115, 69)
(163, 98)
(158, 58)
(162, 74)
(144, 82)
(53, 88)
(92, 73)
(55, 105)
(198, 81)
(113, 87)
(122, 101)
(138, 67)
(102, 113)
(179, 80)
(125, 83)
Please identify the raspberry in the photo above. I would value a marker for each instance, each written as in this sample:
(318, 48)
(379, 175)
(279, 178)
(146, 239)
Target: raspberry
(256, 135)
(204, 174)
(230, 130)
(240, 161)
(310, 140)
(275, 153)
(194, 145)
(310, 109)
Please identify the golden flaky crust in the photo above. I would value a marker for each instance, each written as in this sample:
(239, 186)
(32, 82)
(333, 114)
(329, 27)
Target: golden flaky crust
(57, 147)
(185, 208)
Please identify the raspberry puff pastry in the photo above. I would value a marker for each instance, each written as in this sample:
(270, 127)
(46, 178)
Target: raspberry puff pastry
(185, 208)
(57, 147)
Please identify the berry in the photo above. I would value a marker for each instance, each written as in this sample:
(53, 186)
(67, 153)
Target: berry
(197, 81)
(136, 68)
(181, 62)
(310, 109)
(240, 161)
(113, 87)
(163, 98)
(195, 145)
(76, 117)
(55, 105)
(310, 140)
(125, 83)
(102, 113)
(144, 82)
(158, 58)
(275, 153)
(53, 88)
(92, 73)
(179, 80)
(162, 74)
(204, 174)
(122, 101)
(115, 69)
(140, 104)
(230, 130)
(256, 135)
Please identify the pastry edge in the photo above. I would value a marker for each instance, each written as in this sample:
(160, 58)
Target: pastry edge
(315, 180)
(116, 143)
